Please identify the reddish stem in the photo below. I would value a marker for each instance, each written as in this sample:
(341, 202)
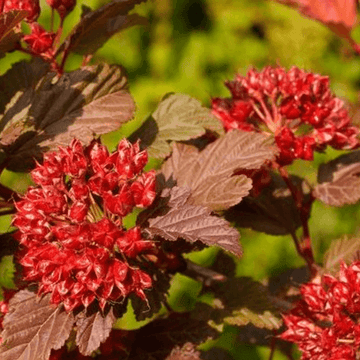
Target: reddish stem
(305, 247)
(2, 3)
(273, 346)
(59, 32)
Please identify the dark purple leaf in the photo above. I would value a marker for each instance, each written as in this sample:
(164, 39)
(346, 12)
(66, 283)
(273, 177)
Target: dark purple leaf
(252, 335)
(273, 211)
(224, 264)
(288, 282)
(20, 77)
(193, 223)
(240, 301)
(339, 180)
(210, 173)
(159, 338)
(33, 327)
(93, 330)
(9, 34)
(96, 27)
(178, 117)
(8, 245)
(92, 100)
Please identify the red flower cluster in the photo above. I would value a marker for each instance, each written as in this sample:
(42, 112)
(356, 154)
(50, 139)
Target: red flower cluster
(71, 224)
(40, 41)
(325, 323)
(32, 6)
(297, 107)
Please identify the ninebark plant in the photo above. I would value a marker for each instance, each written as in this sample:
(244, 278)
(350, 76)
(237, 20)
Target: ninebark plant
(78, 268)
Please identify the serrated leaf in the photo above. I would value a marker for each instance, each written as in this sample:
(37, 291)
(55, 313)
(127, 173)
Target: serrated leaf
(9, 35)
(21, 76)
(224, 264)
(92, 100)
(339, 180)
(7, 270)
(210, 173)
(345, 249)
(93, 330)
(193, 223)
(273, 211)
(33, 327)
(156, 340)
(286, 283)
(96, 27)
(178, 117)
(240, 301)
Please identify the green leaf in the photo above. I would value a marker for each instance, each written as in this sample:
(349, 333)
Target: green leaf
(178, 117)
(7, 270)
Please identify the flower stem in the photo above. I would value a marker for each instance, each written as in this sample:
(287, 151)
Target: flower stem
(304, 248)
(272, 346)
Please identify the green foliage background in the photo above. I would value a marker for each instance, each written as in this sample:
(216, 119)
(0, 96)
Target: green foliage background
(192, 46)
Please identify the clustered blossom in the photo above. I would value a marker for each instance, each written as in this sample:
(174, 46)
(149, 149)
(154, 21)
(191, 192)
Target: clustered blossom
(70, 224)
(297, 107)
(325, 322)
(40, 41)
(31, 6)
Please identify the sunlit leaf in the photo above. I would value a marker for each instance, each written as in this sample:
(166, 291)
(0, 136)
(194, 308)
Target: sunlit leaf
(339, 180)
(193, 223)
(50, 113)
(179, 117)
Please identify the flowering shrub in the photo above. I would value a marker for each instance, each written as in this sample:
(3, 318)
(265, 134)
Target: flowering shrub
(100, 237)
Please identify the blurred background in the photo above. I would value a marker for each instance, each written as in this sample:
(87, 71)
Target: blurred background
(192, 47)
